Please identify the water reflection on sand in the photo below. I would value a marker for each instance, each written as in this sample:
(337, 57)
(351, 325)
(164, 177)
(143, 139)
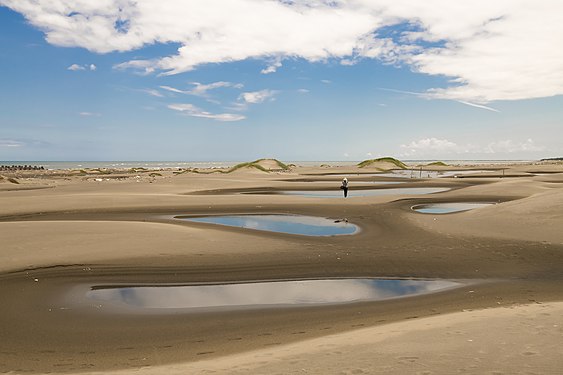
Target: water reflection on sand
(293, 224)
(304, 292)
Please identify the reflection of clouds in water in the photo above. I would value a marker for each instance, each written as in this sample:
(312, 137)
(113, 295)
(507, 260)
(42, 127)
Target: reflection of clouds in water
(366, 192)
(444, 208)
(252, 224)
(306, 225)
(270, 293)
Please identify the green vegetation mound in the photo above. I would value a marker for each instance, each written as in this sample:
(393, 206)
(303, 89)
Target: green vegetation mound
(385, 163)
(264, 165)
(439, 164)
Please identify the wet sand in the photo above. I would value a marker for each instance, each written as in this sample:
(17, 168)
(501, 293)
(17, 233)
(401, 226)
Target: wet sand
(67, 229)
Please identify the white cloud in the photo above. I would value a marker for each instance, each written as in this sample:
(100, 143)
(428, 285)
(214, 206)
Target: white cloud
(509, 146)
(201, 89)
(490, 50)
(10, 143)
(152, 92)
(192, 110)
(326, 81)
(273, 67)
(172, 89)
(427, 146)
(432, 147)
(256, 97)
(90, 114)
(76, 67)
(303, 91)
(478, 106)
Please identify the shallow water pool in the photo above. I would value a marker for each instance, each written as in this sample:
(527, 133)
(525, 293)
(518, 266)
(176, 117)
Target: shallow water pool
(292, 224)
(446, 208)
(262, 294)
(337, 193)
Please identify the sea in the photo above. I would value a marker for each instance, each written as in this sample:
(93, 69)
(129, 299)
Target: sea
(54, 165)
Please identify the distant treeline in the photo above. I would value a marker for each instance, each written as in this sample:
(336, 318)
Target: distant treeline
(21, 168)
(552, 159)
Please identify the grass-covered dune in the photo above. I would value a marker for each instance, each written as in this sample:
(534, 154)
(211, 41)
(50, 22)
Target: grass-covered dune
(264, 165)
(385, 163)
(438, 164)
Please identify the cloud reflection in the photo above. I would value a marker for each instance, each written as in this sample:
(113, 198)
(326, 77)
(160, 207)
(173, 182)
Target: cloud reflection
(294, 224)
(306, 292)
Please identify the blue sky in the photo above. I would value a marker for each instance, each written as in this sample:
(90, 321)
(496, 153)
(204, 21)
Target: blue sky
(117, 81)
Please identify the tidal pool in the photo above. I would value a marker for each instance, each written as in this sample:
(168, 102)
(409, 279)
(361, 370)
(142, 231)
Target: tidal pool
(446, 208)
(262, 294)
(416, 173)
(292, 224)
(337, 193)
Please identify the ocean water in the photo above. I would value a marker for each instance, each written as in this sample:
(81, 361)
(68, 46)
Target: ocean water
(220, 164)
(157, 164)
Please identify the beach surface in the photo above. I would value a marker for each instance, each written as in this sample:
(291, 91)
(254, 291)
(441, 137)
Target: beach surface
(69, 229)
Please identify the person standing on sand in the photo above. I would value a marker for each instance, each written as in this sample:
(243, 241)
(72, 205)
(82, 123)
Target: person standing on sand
(344, 186)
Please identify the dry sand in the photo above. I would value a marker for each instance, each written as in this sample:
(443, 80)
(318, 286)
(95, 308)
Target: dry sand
(67, 228)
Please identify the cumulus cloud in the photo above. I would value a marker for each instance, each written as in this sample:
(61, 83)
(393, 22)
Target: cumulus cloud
(255, 97)
(489, 50)
(509, 146)
(431, 147)
(192, 110)
(273, 67)
(76, 67)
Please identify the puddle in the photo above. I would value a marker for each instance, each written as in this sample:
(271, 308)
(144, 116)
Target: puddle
(262, 294)
(292, 224)
(446, 208)
(414, 173)
(336, 183)
(365, 192)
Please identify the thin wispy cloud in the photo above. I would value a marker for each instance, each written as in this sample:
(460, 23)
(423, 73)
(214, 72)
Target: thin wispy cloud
(152, 92)
(192, 110)
(89, 114)
(203, 90)
(419, 94)
(11, 143)
(478, 106)
(172, 89)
